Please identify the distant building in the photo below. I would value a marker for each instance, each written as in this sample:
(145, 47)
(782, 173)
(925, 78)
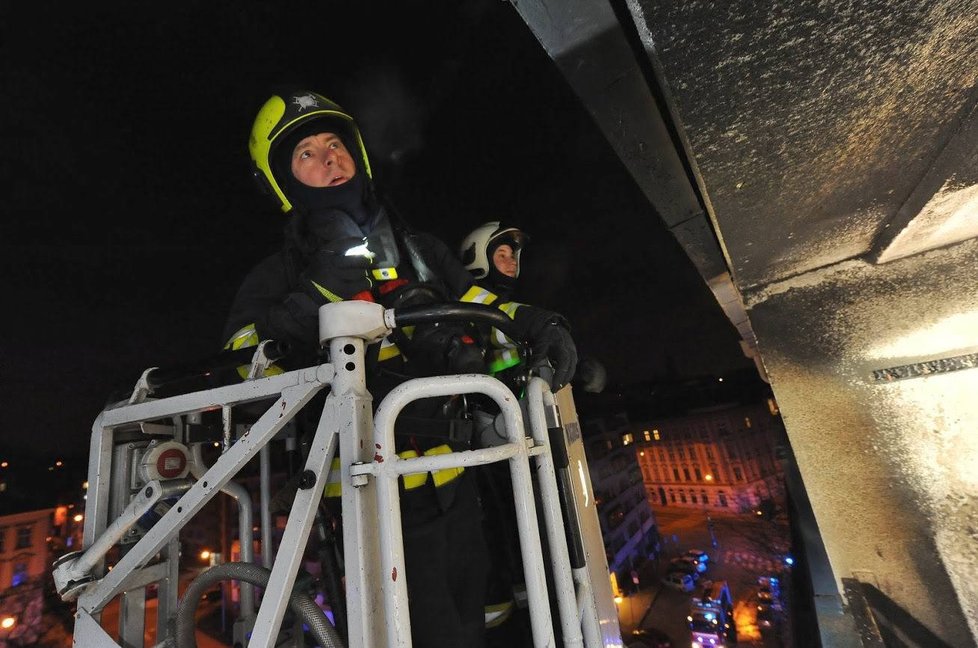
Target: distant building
(631, 536)
(718, 458)
(24, 564)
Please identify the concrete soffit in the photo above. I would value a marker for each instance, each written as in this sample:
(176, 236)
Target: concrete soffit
(594, 46)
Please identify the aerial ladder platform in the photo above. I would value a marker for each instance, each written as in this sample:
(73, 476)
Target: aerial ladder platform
(148, 480)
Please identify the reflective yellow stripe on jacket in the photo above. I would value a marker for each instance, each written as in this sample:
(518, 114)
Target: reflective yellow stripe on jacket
(245, 337)
(478, 295)
(410, 480)
(506, 353)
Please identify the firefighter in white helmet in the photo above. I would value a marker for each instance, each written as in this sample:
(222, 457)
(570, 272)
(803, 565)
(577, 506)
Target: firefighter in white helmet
(491, 253)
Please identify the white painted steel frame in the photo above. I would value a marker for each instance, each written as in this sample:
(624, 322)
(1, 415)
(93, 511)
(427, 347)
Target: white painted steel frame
(570, 619)
(388, 467)
(348, 363)
(376, 616)
(295, 389)
(595, 600)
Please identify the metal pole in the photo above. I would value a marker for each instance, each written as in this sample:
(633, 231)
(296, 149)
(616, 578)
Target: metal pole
(266, 498)
(392, 554)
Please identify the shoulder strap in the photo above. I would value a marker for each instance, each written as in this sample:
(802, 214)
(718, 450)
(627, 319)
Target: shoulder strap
(407, 240)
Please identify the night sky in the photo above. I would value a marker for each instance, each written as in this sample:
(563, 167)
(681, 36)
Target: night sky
(130, 217)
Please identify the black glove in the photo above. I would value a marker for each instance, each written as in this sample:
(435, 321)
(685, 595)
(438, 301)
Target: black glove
(549, 336)
(591, 376)
(333, 276)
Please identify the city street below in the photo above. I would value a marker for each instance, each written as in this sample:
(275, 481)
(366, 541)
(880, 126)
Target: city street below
(741, 548)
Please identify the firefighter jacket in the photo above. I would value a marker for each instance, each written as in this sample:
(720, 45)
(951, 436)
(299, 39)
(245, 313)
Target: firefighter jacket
(272, 304)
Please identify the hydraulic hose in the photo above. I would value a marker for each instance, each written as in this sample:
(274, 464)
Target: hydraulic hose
(300, 603)
(459, 311)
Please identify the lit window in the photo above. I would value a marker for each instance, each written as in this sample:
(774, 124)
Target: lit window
(655, 435)
(648, 435)
(20, 574)
(627, 438)
(747, 421)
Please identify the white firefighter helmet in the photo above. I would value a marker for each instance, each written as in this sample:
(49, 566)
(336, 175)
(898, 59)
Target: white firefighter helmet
(474, 250)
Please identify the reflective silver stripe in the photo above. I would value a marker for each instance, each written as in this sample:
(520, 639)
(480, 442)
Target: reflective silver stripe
(498, 338)
(498, 613)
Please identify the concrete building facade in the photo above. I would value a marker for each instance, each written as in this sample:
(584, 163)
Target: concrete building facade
(24, 563)
(631, 536)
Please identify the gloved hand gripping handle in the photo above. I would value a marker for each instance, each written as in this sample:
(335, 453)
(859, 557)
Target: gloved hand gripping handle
(545, 330)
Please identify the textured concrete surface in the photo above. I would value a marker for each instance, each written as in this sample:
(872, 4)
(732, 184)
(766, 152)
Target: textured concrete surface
(891, 467)
(812, 122)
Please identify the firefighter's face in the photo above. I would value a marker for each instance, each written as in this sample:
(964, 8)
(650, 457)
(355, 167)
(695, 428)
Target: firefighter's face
(505, 260)
(322, 160)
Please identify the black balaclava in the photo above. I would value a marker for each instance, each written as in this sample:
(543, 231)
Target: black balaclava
(354, 198)
(501, 284)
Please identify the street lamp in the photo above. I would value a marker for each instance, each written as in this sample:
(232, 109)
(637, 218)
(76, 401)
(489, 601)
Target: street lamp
(8, 622)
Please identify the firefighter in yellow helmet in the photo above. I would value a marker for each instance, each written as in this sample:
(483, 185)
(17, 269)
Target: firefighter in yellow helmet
(342, 243)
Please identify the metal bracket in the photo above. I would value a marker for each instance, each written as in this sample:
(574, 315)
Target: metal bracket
(360, 473)
(142, 388)
(552, 414)
(72, 573)
(259, 362)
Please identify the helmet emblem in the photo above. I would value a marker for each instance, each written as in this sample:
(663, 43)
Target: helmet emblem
(305, 101)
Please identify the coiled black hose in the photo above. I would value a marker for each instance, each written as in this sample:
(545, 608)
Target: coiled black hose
(300, 603)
